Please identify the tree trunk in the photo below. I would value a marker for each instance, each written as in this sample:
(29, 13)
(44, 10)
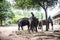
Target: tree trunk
(1, 22)
(47, 25)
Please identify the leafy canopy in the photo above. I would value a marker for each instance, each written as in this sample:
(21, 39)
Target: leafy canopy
(5, 11)
(35, 3)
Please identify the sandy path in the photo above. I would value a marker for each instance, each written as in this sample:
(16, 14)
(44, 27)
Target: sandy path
(9, 33)
(12, 33)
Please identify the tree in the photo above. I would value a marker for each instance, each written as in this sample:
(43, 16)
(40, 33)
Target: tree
(37, 3)
(5, 11)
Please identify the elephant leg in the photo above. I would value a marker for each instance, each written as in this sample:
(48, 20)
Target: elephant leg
(36, 29)
(52, 25)
(41, 28)
(31, 28)
(22, 27)
(18, 27)
(28, 28)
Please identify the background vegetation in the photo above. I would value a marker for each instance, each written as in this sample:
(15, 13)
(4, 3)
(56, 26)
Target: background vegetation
(8, 16)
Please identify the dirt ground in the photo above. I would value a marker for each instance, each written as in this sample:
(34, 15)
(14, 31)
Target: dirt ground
(12, 33)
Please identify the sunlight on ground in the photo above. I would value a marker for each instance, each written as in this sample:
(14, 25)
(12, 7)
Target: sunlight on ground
(12, 33)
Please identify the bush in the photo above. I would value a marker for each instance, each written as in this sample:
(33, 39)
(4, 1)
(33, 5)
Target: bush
(14, 20)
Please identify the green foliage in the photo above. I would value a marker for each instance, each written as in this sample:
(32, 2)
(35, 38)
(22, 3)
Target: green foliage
(5, 11)
(19, 16)
(23, 3)
(10, 15)
(40, 16)
(16, 18)
(35, 3)
(37, 15)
